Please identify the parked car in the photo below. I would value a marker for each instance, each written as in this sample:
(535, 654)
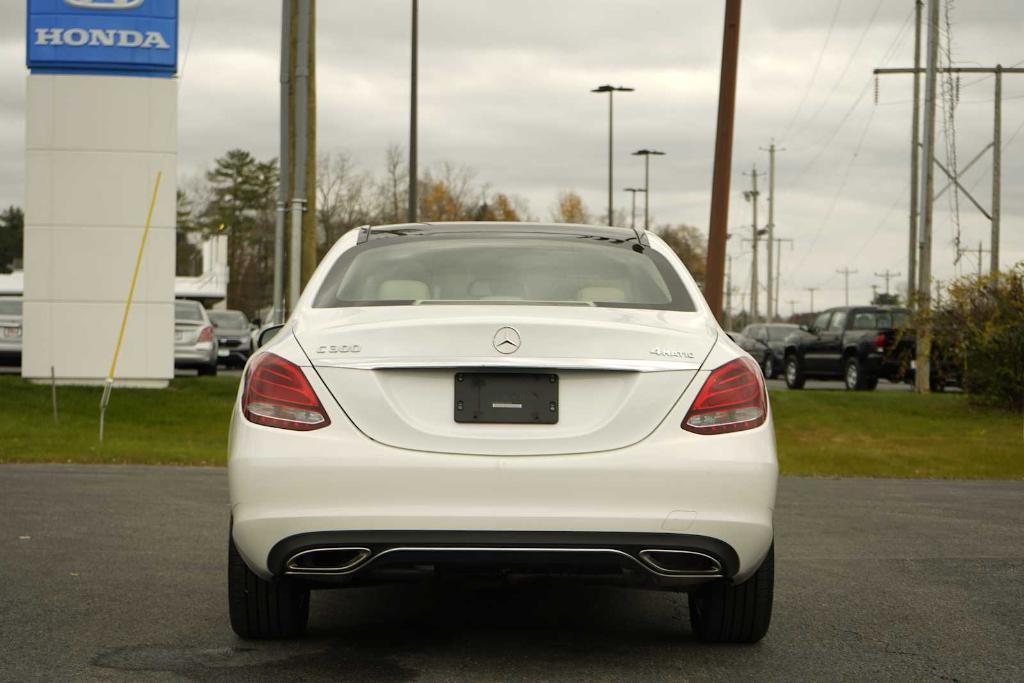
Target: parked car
(768, 345)
(195, 345)
(10, 331)
(507, 399)
(234, 336)
(855, 344)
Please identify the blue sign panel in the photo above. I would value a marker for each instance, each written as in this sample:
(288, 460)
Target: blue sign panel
(131, 37)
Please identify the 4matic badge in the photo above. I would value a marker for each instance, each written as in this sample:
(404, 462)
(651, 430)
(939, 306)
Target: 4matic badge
(658, 351)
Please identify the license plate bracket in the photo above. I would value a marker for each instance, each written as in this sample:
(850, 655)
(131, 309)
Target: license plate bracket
(506, 397)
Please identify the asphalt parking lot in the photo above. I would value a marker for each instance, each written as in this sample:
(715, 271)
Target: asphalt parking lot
(118, 573)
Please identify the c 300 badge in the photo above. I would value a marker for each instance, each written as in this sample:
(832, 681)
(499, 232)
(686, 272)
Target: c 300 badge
(344, 348)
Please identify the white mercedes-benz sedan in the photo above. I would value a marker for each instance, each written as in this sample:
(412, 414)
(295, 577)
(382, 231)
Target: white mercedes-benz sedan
(508, 400)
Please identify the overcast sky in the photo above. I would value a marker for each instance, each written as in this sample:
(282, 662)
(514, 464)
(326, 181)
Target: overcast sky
(504, 89)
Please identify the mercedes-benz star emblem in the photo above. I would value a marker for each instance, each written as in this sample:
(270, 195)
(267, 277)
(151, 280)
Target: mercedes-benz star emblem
(506, 340)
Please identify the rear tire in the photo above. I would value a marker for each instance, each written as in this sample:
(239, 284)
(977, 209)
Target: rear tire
(724, 613)
(768, 367)
(855, 378)
(794, 373)
(208, 370)
(260, 609)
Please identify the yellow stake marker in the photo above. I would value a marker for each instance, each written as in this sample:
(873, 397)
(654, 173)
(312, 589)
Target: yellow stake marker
(127, 305)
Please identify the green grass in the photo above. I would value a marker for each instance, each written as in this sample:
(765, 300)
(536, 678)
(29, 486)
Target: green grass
(876, 434)
(186, 424)
(820, 433)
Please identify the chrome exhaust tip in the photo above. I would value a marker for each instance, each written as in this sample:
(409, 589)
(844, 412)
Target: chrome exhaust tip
(326, 560)
(682, 562)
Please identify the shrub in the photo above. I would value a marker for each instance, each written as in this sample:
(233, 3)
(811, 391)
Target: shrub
(979, 331)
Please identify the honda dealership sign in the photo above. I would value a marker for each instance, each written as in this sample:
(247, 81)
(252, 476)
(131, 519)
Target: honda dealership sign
(137, 37)
(99, 128)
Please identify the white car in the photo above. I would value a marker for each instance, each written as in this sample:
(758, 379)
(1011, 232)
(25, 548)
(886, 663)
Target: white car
(503, 398)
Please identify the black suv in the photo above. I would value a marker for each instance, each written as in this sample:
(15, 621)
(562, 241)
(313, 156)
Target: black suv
(857, 344)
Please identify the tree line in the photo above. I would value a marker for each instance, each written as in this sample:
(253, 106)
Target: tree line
(237, 196)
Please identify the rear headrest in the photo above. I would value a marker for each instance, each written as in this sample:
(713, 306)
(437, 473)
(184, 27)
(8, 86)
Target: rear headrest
(403, 290)
(600, 294)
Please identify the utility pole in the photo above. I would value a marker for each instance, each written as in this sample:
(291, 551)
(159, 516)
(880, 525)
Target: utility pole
(751, 196)
(846, 273)
(812, 290)
(874, 293)
(924, 337)
(979, 251)
(772, 303)
(300, 108)
(778, 272)
(887, 275)
(719, 219)
(632, 212)
(284, 174)
(915, 141)
(928, 151)
(997, 170)
(309, 257)
(414, 204)
(792, 307)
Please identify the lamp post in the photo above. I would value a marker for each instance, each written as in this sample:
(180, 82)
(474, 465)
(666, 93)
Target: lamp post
(611, 90)
(632, 211)
(647, 154)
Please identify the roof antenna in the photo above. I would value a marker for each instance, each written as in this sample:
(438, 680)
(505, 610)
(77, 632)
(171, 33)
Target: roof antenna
(641, 239)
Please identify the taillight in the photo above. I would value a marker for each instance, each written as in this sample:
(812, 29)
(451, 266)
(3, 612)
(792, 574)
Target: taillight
(731, 400)
(277, 394)
(206, 334)
(880, 342)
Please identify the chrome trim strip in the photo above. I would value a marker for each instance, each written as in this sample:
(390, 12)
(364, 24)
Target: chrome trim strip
(616, 365)
(610, 551)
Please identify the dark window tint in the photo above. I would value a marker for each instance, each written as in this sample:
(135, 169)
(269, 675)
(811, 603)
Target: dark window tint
(780, 332)
(188, 310)
(502, 269)
(232, 320)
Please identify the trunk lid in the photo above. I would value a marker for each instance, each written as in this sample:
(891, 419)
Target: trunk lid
(393, 368)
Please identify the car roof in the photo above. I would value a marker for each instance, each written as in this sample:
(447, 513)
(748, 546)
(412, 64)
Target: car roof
(602, 233)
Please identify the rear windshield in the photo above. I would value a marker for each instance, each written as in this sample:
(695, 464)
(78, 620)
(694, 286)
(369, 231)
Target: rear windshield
(10, 307)
(230, 319)
(879, 320)
(527, 270)
(188, 310)
(780, 332)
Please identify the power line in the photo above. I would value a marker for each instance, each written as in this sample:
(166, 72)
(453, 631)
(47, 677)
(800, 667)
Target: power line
(814, 72)
(846, 68)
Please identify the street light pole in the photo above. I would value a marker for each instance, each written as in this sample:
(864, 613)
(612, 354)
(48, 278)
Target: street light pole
(611, 90)
(632, 212)
(413, 133)
(647, 154)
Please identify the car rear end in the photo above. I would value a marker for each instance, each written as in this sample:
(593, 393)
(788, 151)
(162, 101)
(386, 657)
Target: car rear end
(610, 434)
(234, 336)
(10, 331)
(195, 345)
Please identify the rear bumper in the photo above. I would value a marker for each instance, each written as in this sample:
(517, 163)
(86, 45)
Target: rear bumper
(195, 356)
(362, 557)
(336, 481)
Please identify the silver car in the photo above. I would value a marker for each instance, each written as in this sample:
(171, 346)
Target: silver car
(10, 331)
(233, 334)
(195, 345)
